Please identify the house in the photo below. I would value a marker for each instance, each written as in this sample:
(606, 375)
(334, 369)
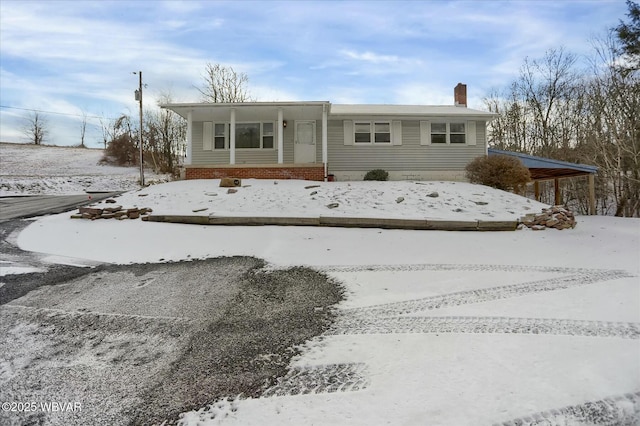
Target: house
(319, 140)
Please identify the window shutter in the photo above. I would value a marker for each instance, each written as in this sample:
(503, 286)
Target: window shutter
(471, 132)
(425, 133)
(348, 132)
(396, 137)
(207, 136)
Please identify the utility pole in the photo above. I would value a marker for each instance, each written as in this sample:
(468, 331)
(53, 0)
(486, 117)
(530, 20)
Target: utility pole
(139, 99)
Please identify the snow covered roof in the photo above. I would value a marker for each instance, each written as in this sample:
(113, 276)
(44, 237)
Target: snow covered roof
(543, 168)
(309, 109)
(408, 110)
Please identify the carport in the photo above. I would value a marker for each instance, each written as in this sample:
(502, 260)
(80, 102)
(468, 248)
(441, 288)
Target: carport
(543, 169)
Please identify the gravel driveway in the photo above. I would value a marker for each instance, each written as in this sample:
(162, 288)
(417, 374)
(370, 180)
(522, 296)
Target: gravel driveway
(139, 344)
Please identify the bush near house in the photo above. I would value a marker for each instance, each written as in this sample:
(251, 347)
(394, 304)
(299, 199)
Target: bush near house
(500, 172)
(377, 174)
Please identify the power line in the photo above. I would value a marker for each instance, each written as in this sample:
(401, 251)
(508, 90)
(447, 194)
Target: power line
(58, 113)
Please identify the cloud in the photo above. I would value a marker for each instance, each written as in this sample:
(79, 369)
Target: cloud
(63, 55)
(370, 57)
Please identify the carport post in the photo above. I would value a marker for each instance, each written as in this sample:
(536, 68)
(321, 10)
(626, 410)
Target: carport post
(556, 187)
(592, 194)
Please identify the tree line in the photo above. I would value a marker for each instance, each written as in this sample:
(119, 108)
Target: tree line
(561, 108)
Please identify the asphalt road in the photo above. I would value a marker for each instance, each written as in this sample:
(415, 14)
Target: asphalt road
(38, 205)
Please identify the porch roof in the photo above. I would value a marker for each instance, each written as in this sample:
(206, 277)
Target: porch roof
(207, 111)
(547, 168)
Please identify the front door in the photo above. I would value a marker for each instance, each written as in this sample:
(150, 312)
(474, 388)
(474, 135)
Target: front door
(304, 150)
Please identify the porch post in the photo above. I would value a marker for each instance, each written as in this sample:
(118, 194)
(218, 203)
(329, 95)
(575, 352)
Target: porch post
(189, 137)
(556, 188)
(232, 137)
(324, 139)
(280, 137)
(536, 189)
(592, 194)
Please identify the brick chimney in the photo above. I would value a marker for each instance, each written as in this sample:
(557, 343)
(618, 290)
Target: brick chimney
(460, 95)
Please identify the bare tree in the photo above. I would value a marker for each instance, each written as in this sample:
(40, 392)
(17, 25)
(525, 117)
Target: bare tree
(165, 135)
(36, 128)
(224, 85)
(83, 129)
(612, 133)
(548, 89)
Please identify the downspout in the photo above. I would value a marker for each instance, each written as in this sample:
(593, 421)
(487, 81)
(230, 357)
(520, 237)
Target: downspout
(280, 137)
(324, 140)
(189, 137)
(232, 138)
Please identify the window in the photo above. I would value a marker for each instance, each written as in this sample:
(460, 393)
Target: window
(220, 136)
(248, 135)
(267, 135)
(438, 132)
(457, 133)
(442, 133)
(362, 132)
(367, 132)
(383, 133)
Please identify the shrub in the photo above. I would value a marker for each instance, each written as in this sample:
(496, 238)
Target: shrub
(377, 174)
(121, 151)
(501, 172)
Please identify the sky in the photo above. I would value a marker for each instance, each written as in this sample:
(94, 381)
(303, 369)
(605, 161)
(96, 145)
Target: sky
(69, 59)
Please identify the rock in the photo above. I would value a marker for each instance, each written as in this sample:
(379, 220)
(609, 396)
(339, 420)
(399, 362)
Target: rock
(313, 193)
(434, 194)
(231, 191)
(312, 186)
(556, 217)
(333, 205)
(230, 182)
(133, 214)
(199, 210)
(142, 195)
(113, 209)
(399, 200)
(481, 203)
(110, 201)
(90, 210)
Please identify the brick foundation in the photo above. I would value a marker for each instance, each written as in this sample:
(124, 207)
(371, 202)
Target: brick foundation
(303, 173)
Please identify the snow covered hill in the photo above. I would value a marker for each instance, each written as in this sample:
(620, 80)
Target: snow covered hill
(42, 169)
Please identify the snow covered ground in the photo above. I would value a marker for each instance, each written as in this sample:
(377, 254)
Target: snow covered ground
(54, 170)
(438, 328)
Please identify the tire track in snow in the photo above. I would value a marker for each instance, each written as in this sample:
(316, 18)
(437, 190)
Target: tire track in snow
(485, 294)
(321, 379)
(457, 267)
(392, 318)
(479, 325)
(621, 410)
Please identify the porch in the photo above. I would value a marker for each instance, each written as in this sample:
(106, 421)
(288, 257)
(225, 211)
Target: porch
(268, 140)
